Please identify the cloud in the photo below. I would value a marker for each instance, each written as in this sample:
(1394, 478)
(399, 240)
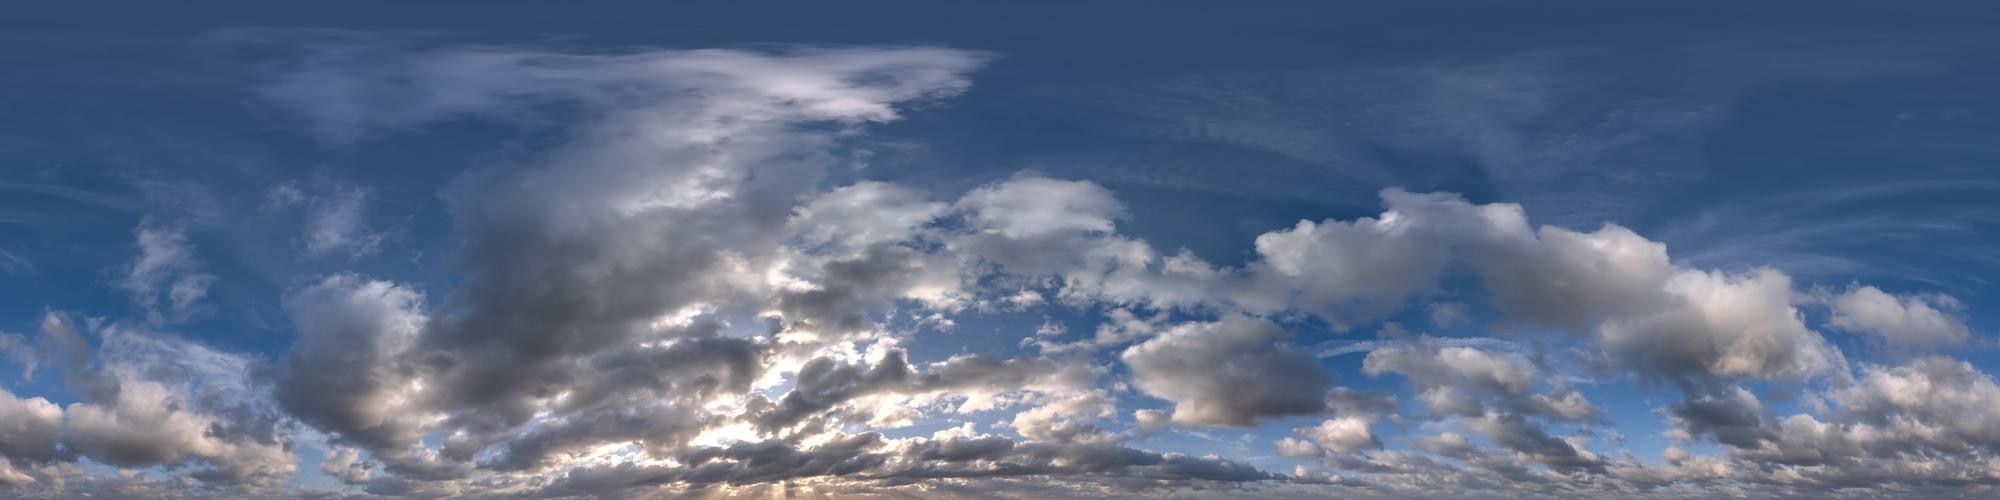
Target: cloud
(824, 384)
(10, 263)
(675, 194)
(352, 370)
(28, 429)
(863, 214)
(1347, 271)
(1465, 381)
(336, 216)
(150, 401)
(1620, 289)
(1939, 403)
(1428, 364)
(1151, 421)
(871, 457)
(1908, 320)
(22, 351)
(166, 270)
(1228, 372)
(673, 217)
(1342, 435)
(1920, 426)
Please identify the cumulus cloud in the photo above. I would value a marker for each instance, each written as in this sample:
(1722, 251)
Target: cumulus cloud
(1342, 435)
(1151, 421)
(1345, 270)
(1228, 372)
(149, 402)
(28, 428)
(1031, 207)
(1621, 289)
(863, 214)
(351, 370)
(1935, 402)
(1464, 381)
(1907, 320)
(871, 457)
(1920, 426)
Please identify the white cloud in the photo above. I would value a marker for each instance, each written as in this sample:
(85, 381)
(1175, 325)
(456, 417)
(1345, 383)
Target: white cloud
(863, 214)
(1911, 320)
(166, 268)
(1342, 435)
(153, 401)
(28, 428)
(1360, 270)
(1298, 448)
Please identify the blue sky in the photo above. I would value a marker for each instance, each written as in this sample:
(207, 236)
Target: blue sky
(1437, 249)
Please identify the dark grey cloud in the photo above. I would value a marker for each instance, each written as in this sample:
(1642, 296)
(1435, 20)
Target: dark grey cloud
(352, 370)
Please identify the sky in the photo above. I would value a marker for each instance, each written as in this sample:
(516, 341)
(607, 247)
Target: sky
(1000, 250)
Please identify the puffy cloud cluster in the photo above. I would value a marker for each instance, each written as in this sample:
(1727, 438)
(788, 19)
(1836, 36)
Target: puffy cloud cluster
(149, 401)
(1908, 320)
(350, 371)
(672, 290)
(1228, 372)
(1339, 435)
(1368, 267)
(1920, 412)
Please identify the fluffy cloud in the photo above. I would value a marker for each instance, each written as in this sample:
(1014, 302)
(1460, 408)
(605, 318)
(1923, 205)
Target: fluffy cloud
(1465, 381)
(1228, 372)
(1438, 368)
(150, 402)
(1684, 324)
(1611, 286)
(1909, 320)
(1345, 271)
(1342, 435)
(28, 429)
(598, 280)
(863, 214)
(351, 370)
(1935, 402)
